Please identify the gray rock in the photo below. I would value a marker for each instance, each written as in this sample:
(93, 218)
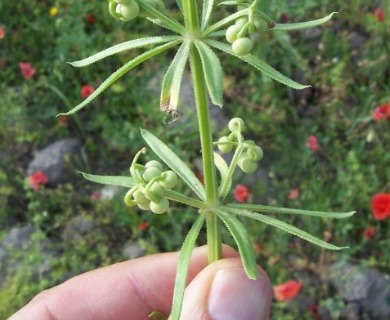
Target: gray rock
(350, 312)
(312, 34)
(356, 40)
(132, 250)
(187, 100)
(55, 160)
(367, 287)
(77, 226)
(19, 240)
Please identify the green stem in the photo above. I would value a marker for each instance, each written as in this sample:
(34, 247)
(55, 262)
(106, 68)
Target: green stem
(201, 101)
(191, 20)
(233, 164)
(214, 240)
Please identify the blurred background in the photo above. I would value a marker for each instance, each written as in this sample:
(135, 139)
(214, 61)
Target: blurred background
(326, 148)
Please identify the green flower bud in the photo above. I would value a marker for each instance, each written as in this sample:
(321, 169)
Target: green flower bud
(128, 199)
(236, 137)
(168, 179)
(112, 9)
(260, 23)
(160, 5)
(242, 46)
(226, 147)
(144, 206)
(255, 153)
(151, 173)
(124, 2)
(240, 22)
(140, 197)
(236, 125)
(154, 192)
(232, 32)
(159, 207)
(155, 164)
(247, 165)
(129, 11)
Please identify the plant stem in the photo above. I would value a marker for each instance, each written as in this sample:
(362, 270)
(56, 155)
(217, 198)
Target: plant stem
(191, 20)
(214, 240)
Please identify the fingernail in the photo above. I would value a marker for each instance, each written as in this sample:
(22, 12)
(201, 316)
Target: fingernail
(233, 296)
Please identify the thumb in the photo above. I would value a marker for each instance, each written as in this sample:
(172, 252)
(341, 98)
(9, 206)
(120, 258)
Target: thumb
(222, 291)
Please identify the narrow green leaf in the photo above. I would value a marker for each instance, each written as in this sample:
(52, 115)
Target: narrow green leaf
(228, 3)
(225, 21)
(217, 34)
(170, 89)
(244, 243)
(183, 265)
(212, 72)
(128, 45)
(283, 226)
(120, 72)
(226, 179)
(227, 182)
(258, 64)
(174, 162)
(179, 197)
(180, 4)
(120, 181)
(155, 315)
(303, 25)
(221, 165)
(261, 208)
(165, 21)
(206, 12)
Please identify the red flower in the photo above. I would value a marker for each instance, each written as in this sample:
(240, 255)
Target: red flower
(63, 121)
(287, 290)
(95, 195)
(379, 14)
(313, 309)
(369, 233)
(86, 91)
(38, 179)
(312, 143)
(293, 194)
(143, 225)
(26, 69)
(2, 33)
(241, 193)
(90, 18)
(380, 206)
(382, 112)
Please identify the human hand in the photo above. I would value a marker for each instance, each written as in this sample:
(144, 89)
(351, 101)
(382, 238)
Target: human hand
(134, 288)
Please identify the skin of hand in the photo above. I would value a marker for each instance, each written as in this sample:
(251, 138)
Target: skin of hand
(134, 288)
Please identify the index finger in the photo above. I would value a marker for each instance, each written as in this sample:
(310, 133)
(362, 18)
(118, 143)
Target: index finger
(126, 290)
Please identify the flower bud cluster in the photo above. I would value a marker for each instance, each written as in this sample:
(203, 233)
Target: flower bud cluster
(151, 180)
(239, 33)
(126, 10)
(251, 154)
